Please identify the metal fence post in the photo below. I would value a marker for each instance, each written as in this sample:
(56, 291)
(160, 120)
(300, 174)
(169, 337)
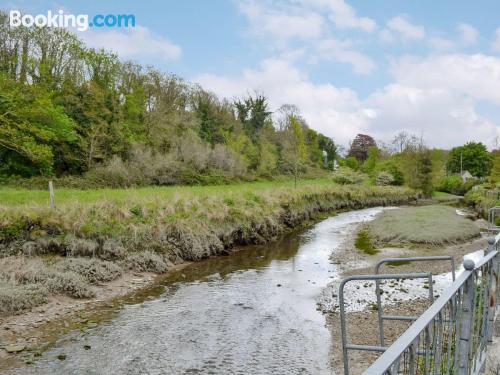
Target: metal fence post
(465, 323)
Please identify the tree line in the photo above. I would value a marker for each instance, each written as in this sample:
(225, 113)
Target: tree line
(66, 109)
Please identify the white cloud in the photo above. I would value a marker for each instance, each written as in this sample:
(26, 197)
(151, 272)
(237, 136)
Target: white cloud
(132, 43)
(441, 44)
(477, 76)
(333, 49)
(468, 34)
(442, 110)
(343, 15)
(336, 112)
(402, 26)
(286, 23)
(443, 117)
(495, 44)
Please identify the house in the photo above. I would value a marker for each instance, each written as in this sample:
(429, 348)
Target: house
(466, 176)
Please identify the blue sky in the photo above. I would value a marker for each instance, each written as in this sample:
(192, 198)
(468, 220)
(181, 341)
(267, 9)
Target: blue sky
(378, 67)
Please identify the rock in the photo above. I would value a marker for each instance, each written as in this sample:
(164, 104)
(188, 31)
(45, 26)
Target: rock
(61, 357)
(15, 348)
(87, 347)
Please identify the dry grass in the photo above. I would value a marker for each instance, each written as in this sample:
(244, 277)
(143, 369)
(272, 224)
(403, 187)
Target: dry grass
(91, 228)
(429, 225)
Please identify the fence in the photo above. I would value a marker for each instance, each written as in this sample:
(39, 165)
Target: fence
(452, 335)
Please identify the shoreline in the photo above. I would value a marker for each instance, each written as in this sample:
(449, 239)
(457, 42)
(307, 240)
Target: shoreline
(355, 262)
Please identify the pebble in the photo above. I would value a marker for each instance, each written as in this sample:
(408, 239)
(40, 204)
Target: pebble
(15, 348)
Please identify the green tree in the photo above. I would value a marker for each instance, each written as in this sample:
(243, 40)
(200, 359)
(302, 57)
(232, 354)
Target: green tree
(295, 150)
(31, 127)
(495, 170)
(473, 157)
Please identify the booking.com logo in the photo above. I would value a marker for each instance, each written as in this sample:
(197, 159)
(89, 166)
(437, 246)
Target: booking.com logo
(78, 21)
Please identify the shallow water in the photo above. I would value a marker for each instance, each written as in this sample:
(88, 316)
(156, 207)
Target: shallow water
(253, 312)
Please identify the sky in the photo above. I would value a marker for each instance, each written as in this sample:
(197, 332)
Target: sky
(431, 68)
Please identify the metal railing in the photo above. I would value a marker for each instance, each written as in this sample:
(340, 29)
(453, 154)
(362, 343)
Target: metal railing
(451, 336)
(380, 309)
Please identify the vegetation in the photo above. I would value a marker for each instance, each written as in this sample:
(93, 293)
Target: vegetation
(69, 110)
(94, 236)
(472, 157)
(427, 225)
(364, 243)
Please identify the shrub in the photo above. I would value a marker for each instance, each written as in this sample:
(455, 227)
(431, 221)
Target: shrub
(80, 246)
(451, 184)
(146, 261)
(364, 242)
(347, 176)
(70, 284)
(384, 179)
(112, 249)
(93, 270)
(17, 298)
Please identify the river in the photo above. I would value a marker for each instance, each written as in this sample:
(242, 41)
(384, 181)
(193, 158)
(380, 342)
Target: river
(252, 312)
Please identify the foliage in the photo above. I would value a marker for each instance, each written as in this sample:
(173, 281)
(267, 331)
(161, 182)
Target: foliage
(347, 176)
(364, 243)
(351, 162)
(495, 170)
(66, 109)
(360, 147)
(472, 157)
(384, 179)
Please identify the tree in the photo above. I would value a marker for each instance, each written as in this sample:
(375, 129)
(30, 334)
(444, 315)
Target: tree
(473, 157)
(253, 112)
(423, 180)
(295, 151)
(31, 127)
(360, 147)
(495, 170)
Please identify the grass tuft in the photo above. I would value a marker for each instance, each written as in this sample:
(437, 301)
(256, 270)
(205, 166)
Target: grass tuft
(364, 243)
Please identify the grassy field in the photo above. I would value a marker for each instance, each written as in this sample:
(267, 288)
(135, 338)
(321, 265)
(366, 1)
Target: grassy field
(94, 236)
(429, 225)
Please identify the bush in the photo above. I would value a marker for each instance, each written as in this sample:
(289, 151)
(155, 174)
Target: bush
(451, 184)
(93, 270)
(347, 176)
(146, 261)
(384, 179)
(70, 284)
(17, 298)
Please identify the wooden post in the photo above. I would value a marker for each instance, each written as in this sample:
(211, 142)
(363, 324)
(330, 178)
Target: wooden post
(52, 197)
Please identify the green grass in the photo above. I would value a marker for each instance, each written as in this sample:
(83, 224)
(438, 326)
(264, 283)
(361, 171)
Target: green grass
(14, 196)
(171, 223)
(442, 196)
(431, 225)
(364, 242)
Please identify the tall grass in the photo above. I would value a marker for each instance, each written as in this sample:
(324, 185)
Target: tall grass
(148, 229)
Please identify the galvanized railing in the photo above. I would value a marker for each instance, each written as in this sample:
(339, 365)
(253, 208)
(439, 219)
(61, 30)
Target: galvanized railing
(452, 336)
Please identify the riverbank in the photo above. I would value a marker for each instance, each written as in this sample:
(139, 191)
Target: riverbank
(92, 245)
(400, 299)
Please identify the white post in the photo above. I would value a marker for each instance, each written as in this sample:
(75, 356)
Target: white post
(52, 197)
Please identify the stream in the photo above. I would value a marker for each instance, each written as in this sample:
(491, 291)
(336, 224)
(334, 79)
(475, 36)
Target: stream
(252, 312)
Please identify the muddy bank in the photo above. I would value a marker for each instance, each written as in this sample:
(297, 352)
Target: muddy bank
(399, 298)
(254, 311)
(39, 258)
